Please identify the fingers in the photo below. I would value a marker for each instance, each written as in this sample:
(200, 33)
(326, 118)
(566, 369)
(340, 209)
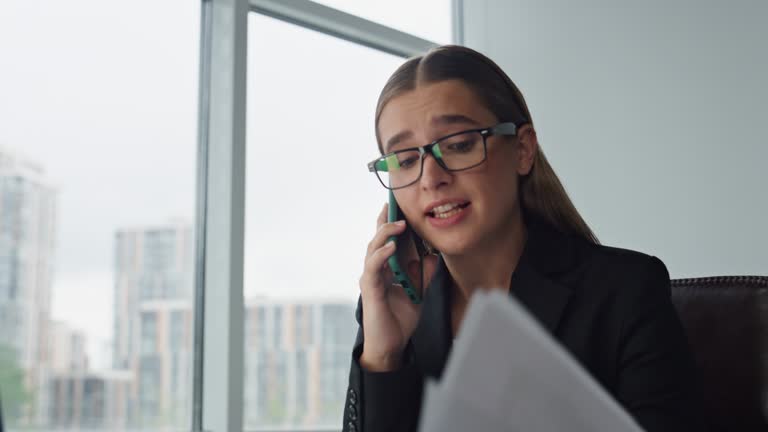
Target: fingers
(380, 248)
(385, 231)
(377, 259)
(375, 278)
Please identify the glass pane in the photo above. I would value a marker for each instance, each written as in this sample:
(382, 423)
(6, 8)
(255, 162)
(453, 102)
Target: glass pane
(311, 102)
(427, 19)
(97, 189)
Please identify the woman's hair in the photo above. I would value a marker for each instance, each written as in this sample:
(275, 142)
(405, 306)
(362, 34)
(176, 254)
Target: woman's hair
(541, 191)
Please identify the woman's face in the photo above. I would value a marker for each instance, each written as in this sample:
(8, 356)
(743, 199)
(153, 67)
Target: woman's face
(489, 191)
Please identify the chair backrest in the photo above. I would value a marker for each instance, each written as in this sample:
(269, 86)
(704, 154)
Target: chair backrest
(726, 320)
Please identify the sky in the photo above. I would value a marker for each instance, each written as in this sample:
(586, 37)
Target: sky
(103, 95)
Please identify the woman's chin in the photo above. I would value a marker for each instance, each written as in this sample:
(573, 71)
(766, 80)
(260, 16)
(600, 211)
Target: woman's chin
(452, 248)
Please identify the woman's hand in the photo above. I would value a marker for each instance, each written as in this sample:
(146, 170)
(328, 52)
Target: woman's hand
(389, 316)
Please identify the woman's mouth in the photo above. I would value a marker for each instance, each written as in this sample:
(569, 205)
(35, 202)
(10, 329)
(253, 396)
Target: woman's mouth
(448, 214)
(447, 210)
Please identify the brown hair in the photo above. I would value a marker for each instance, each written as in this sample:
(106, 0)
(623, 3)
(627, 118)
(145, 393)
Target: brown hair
(541, 191)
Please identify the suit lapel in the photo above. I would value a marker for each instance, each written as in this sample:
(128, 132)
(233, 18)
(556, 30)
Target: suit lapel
(544, 298)
(432, 337)
(547, 256)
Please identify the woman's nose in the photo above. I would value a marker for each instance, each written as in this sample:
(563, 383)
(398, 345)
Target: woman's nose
(434, 175)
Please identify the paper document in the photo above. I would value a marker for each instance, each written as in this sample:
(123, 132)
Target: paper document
(506, 373)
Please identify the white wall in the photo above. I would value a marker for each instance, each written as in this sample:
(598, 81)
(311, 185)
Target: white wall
(654, 114)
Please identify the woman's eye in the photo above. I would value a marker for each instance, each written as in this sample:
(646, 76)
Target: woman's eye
(408, 162)
(461, 146)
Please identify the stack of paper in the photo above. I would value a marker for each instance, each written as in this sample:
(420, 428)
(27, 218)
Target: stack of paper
(506, 373)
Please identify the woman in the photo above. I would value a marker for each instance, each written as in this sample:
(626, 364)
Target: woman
(484, 196)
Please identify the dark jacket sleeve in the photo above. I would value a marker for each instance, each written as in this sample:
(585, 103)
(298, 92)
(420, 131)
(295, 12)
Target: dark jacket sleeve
(381, 401)
(657, 380)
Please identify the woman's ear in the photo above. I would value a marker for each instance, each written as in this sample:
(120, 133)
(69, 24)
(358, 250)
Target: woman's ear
(527, 148)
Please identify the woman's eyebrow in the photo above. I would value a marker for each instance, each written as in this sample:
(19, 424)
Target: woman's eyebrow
(449, 119)
(397, 139)
(445, 119)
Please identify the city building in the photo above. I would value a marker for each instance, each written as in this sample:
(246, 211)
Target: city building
(153, 323)
(27, 243)
(89, 399)
(297, 357)
(297, 353)
(67, 349)
(164, 370)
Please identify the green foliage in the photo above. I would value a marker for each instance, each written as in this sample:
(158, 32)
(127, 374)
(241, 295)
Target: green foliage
(13, 394)
(276, 413)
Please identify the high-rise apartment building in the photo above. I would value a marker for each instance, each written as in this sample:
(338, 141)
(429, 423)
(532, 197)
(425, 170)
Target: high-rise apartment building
(164, 372)
(27, 242)
(89, 400)
(67, 349)
(296, 361)
(297, 353)
(152, 310)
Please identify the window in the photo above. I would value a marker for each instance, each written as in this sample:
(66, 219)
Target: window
(309, 135)
(261, 327)
(178, 330)
(427, 19)
(148, 333)
(97, 189)
(277, 327)
(97, 186)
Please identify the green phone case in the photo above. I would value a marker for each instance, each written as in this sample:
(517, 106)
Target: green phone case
(401, 277)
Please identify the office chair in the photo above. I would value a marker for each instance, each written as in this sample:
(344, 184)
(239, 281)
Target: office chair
(726, 320)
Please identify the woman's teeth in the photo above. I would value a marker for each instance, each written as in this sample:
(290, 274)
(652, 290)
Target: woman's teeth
(445, 215)
(444, 208)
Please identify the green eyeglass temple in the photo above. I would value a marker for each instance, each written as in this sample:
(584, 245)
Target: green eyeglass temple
(389, 162)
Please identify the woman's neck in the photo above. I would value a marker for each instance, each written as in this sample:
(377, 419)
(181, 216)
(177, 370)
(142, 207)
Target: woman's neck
(490, 265)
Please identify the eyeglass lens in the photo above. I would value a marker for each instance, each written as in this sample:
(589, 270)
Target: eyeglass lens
(456, 152)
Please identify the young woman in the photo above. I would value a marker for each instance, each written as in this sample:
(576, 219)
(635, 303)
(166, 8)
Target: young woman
(459, 150)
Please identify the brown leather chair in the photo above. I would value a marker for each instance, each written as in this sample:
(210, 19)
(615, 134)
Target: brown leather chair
(726, 319)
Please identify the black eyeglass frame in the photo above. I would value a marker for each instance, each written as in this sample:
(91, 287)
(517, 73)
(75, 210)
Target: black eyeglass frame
(504, 128)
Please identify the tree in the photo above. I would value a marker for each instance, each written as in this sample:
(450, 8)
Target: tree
(13, 393)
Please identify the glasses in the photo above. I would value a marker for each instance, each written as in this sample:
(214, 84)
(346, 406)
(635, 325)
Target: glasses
(455, 152)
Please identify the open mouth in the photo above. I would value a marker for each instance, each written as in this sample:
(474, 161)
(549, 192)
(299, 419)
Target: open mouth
(447, 211)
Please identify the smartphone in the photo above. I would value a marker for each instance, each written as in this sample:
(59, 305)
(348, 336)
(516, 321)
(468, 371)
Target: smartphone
(401, 248)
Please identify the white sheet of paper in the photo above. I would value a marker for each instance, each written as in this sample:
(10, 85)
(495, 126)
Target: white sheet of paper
(449, 414)
(507, 367)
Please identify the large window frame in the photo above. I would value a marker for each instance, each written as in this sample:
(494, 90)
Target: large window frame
(220, 203)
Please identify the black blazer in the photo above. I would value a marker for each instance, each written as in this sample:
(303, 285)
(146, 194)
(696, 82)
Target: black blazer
(610, 308)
